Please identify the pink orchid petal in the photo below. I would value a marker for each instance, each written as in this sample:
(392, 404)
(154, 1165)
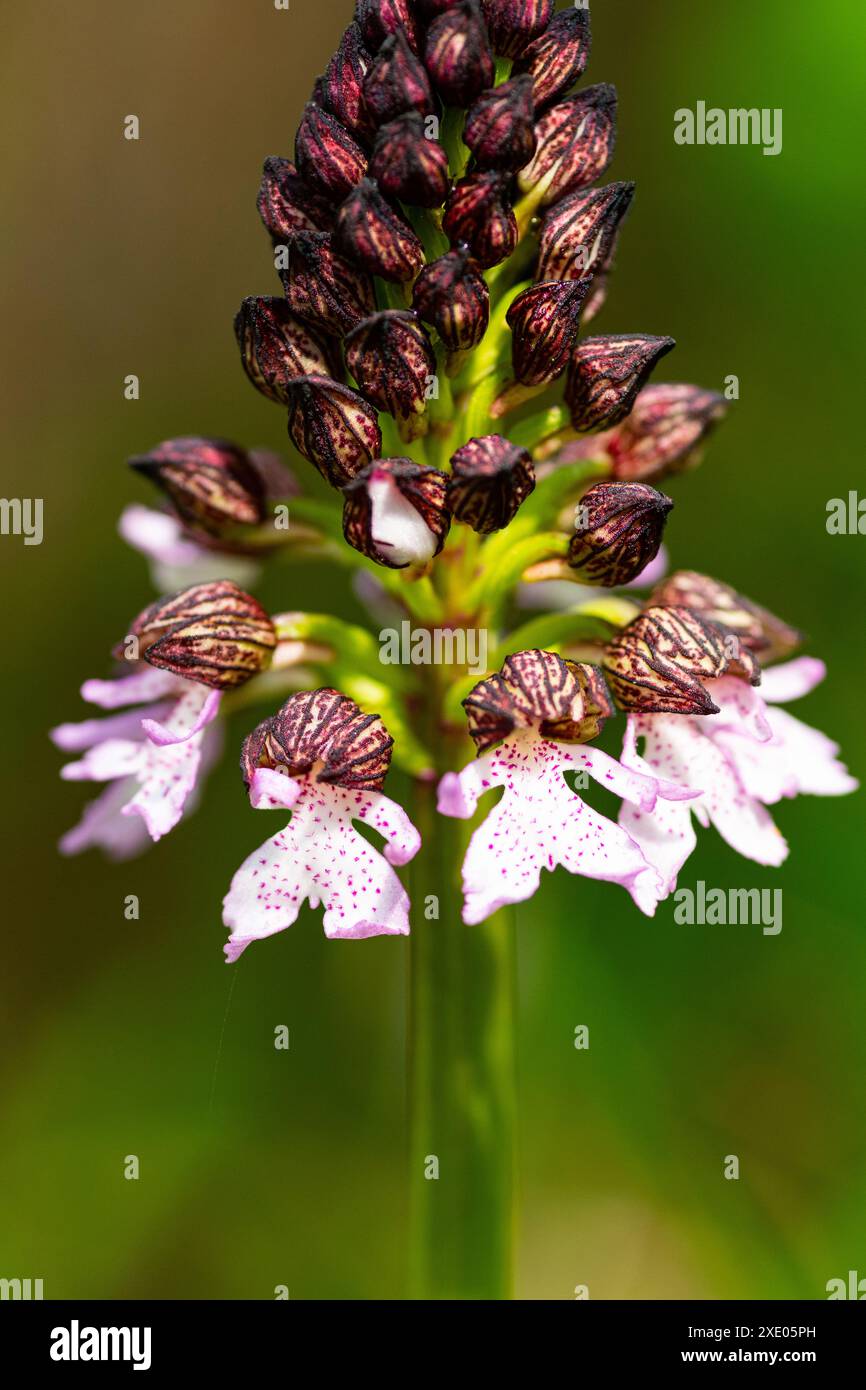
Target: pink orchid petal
(271, 790)
(146, 683)
(792, 679)
(103, 827)
(197, 707)
(322, 858)
(74, 738)
(653, 573)
(741, 707)
(157, 535)
(458, 792)
(798, 760)
(105, 762)
(167, 776)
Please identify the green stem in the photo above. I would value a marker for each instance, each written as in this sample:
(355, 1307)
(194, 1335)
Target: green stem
(451, 140)
(462, 1078)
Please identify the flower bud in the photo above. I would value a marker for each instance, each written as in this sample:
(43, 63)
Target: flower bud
(579, 234)
(287, 205)
(500, 128)
(490, 479)
(478, 214)
(396, 512)
(323, 729)
(378, 19)
(759, 631)
(212, 484)
(606, 374)
(513, 24)
(576, 140)
(342, 85)
(545, 322)
(214, 634)
(409, 166)
(397, 82)
(620, 531)
(392, 359)
(562, 699)
(457, 54)
(557, 58)
(333, 427)
(370, 232)
(326, 155)
(451, 295)
(322, 287)
(657, 663)
(275, 346)
(665, 432)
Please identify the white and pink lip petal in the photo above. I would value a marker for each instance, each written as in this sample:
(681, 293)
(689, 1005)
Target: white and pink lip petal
(143, 685)
(103, 827)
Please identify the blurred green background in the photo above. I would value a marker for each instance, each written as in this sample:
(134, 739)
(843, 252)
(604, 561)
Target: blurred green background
(261, 1167)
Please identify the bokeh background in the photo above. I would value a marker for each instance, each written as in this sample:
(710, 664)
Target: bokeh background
(261, 1167)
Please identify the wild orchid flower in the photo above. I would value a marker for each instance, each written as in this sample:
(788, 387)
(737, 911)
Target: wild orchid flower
(439, 241)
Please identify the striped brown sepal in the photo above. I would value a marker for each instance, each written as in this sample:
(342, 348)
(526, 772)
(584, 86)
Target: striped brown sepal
(376, 237)
(211, 483)
(397, 82)
(322, 287)
(606, 374)
(342, 89)
(326, 156)
(619, 532)
(422, 487)
(332, 426)
(759, 631)
(575, 144)
(275, 346)
(558, 56)
(537, 689)
(479, 214)
(545, 322)
(215, 634)
(325, 731)
(579, 234)
(490, 479)
(657, 663)
(392, 359)
(288, 205)
(408, 166)
(500, 129)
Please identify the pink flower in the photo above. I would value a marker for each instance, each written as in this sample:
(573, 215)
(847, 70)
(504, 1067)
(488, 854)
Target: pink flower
(176, 558)
(152, 756)
(747, 757)
(324, 760)
(540, 822)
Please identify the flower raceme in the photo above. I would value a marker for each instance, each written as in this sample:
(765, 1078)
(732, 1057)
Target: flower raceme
(443, 238)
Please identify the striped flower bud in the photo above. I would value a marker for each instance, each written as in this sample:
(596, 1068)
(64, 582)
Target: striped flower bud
(326, 155)
(370, 232)
(322, 287)
(397, 82)
(478, 214)
(396, 512)
(490, 479)
(275, 346)
(214, 634)
(576, 140)
(562, 699)
(606, 374)
(342, 85)
(500, 129)
(392, 359)
(409, 166)
(451, 295)
(545, 322)
(378, 19)
(457, 54)
(333, 427)
(513, 24)
(759, 631)
(556, 59)
(579, 234)
(657, 663)
(324, 729)
(619, 531)
(287, 204)
(212, 485)
(665, 431)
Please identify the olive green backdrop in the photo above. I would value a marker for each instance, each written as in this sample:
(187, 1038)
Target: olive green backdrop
(261, 1167)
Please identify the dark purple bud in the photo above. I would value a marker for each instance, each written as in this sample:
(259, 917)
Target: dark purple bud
(478, 213)
(458, 55)
(619, 531)
(665, 431)
(333, 427)
(370, 232)
(657, 663)
(557, 57)
(397, 82)
(579, 234)
(275, 346)
(392, 359)
(576, 140)
(377, 19)
(212, 484)
(409, 166)
(342, 85)
(453, 297)
(490, 479)
(396, 512)
(512, 24)
(214, 634)
(500, 128)
(322, 287)
(326, 155)
(545, 322)
(606, 374)
(287, 205)
(325, 730)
